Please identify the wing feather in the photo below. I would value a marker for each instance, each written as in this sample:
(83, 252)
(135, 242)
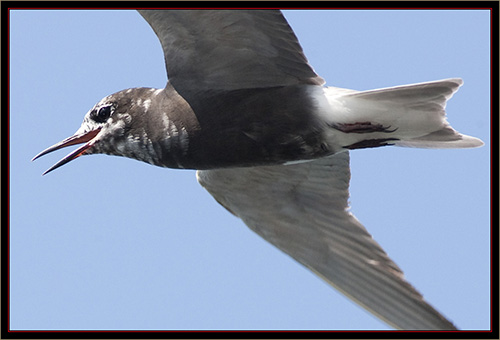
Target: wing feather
(303, 210)
(230, 49)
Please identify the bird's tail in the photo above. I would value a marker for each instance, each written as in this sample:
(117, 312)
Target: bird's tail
(410, 115)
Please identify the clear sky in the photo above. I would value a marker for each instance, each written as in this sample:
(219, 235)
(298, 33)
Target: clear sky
(112, 243)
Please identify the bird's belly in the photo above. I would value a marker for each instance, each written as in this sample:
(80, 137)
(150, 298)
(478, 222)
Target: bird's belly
(254, 148)
(251, 127)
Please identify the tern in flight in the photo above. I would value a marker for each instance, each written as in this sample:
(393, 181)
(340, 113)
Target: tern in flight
(271, 143)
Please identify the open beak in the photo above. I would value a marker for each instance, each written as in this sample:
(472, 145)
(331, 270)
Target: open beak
(86, 137)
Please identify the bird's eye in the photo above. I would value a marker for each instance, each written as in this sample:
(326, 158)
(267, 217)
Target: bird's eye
(102, 114)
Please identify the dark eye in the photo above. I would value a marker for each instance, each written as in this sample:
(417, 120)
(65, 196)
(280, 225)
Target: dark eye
(102, 114)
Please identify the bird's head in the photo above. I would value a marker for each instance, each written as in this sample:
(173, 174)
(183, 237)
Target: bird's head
(108, 127)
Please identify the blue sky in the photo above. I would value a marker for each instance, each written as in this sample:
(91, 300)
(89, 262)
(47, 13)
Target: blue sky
(111, 243)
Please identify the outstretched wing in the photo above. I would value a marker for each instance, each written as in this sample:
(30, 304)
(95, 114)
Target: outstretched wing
(230, 49)
(302, 210)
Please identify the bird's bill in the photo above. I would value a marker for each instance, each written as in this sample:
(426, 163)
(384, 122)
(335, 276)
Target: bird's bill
(78, 138)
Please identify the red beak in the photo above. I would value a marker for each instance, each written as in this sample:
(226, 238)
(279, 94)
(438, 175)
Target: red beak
(75, 139)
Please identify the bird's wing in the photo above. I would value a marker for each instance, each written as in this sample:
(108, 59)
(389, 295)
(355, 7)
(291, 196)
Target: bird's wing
(230, 49)
(302, 209)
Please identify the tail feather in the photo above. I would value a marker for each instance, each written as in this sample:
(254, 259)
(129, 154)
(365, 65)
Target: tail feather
(444, 138)
(415, 112)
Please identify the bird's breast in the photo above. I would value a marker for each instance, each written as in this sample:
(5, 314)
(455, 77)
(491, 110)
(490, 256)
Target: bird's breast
(250, 127)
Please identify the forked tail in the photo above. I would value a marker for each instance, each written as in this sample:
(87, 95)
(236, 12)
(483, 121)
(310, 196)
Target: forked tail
(409, 115)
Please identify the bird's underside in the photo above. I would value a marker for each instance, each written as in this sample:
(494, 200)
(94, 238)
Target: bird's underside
(244, 107)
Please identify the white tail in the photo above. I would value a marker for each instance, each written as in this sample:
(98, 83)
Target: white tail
(414, 115)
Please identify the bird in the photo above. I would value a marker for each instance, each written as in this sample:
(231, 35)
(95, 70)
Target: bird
(271, 143)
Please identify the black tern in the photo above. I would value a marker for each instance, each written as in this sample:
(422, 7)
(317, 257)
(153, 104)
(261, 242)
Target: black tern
(271, 143)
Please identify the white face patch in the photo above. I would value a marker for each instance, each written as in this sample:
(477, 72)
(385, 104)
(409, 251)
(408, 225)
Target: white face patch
(118, 128)
(113, 115)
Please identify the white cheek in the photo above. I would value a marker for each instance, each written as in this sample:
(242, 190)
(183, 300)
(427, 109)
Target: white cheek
(118, 128)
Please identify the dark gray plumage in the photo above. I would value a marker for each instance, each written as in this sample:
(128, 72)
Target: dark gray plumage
(244, 107)
(258, 47)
